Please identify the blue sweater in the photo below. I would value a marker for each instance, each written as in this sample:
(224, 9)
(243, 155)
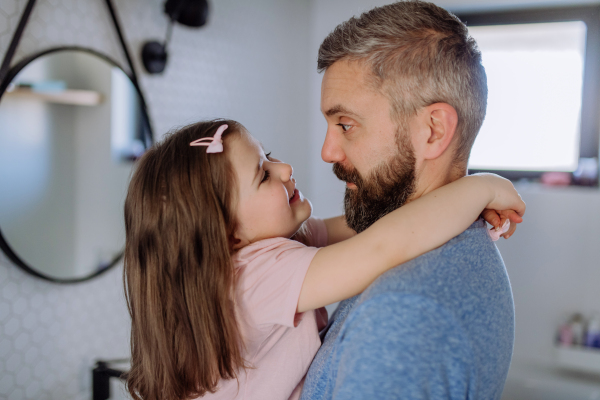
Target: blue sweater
(438, 327)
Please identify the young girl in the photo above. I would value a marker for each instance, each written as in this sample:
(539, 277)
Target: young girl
(222, 301)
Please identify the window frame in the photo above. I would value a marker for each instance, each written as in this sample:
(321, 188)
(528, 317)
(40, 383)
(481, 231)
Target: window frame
(590, 105)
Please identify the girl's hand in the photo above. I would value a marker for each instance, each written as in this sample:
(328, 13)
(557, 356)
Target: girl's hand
(497, 219)
(503, 194)
(506, 203)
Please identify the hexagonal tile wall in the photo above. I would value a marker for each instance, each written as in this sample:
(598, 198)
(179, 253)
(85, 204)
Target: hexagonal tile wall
(51, 334)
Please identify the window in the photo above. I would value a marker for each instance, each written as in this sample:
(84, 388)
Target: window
(543, 71)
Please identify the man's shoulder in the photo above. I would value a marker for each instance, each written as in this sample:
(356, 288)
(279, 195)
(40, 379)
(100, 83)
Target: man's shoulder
(463, 281)
(468, 263)
(451, 307)
(400, 317)
(444, 320)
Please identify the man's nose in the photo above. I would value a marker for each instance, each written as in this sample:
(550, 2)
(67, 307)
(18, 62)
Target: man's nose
(332, 152)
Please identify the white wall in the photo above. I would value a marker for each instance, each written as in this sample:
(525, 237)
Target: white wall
(553, 262)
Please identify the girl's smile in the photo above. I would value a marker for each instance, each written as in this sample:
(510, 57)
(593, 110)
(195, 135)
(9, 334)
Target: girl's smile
(268, 204)
(295, 196)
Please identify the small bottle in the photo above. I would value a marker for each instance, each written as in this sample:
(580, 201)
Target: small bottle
(593, 332)
(565, 335)
(578, 329)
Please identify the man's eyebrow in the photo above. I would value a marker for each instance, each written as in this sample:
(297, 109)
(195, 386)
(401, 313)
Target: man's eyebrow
(339, 109)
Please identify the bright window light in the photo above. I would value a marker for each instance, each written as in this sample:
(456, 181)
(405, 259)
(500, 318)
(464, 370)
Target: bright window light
(535, 82)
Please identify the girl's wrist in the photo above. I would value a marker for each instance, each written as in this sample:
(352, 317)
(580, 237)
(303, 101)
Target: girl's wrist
(486, 185)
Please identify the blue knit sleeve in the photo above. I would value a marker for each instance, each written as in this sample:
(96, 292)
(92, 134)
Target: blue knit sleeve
(399, 346)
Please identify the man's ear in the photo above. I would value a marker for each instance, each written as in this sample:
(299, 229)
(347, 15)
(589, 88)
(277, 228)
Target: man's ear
(441, 120)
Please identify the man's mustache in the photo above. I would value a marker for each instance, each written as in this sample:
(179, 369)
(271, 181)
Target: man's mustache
(351, 176)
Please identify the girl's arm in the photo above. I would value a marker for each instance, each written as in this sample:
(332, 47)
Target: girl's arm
(345, 269)
(337, 230)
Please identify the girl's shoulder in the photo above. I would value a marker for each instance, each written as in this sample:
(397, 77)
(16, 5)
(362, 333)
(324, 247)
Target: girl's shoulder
(269, 278)
(314, 234)
(264, 249)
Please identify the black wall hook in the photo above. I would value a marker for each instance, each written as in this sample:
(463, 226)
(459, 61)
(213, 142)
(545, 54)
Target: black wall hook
(154, 57)
(193, 13)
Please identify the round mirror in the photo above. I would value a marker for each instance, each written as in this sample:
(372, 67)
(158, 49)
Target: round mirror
(71, 125)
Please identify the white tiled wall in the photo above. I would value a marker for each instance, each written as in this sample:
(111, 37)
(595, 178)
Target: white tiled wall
(52, 333)
(250, 63)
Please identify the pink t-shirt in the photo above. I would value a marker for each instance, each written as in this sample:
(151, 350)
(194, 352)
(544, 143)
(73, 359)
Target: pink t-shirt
(280, 343)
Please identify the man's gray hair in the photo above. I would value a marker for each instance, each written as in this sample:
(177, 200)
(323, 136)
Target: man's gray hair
(419, 54)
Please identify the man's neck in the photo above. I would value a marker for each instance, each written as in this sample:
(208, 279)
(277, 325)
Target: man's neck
(430, 179)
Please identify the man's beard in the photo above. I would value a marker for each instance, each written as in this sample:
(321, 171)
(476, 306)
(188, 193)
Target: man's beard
(388, 187)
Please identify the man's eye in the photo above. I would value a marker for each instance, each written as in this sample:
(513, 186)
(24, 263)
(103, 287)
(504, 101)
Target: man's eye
(266, 176)
(345, 127)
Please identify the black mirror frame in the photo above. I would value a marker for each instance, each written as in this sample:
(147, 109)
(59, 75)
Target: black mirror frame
(12, 255)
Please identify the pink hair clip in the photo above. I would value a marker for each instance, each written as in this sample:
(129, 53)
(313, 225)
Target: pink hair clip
(216, 143)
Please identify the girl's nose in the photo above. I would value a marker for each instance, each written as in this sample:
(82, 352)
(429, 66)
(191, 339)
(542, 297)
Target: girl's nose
(285, 171)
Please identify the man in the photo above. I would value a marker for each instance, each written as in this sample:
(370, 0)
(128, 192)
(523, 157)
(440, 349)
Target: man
(404, 95)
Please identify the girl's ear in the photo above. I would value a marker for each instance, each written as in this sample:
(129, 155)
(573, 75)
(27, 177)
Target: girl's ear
(238, 238)
(235, 243)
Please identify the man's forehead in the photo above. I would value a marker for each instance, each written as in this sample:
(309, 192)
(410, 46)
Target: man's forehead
(345, 90)
(337, 92)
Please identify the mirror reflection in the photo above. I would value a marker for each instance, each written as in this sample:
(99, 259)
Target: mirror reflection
(71, 122)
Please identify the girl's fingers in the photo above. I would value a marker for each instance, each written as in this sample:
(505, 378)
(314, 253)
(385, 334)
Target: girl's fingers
(514, 217)
(502, 220)
(498, 218)
(491, 217)
(511, 230)
(514, 220)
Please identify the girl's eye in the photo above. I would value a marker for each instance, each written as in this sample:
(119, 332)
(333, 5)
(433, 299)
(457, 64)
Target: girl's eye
(266, 176)
(268, 156)
(345, 127)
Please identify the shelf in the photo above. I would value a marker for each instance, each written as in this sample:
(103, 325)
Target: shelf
(69, 96)
(584, 359)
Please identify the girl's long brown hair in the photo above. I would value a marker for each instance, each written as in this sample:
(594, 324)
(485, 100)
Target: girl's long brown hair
(178, 272)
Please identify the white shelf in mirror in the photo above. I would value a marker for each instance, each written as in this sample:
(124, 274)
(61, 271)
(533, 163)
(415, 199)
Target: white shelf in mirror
(68, 96)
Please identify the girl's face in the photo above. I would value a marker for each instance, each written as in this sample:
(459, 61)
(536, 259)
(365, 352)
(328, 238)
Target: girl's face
(268, 204)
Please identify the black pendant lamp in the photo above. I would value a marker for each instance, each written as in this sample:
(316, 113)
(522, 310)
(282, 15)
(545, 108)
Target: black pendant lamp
(193, 13)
